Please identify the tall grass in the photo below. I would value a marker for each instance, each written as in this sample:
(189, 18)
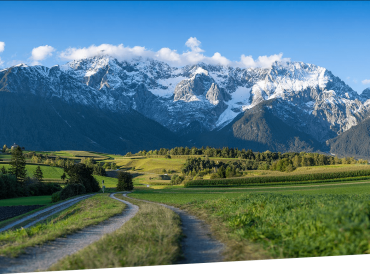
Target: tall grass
(151, 237)
(290, 226)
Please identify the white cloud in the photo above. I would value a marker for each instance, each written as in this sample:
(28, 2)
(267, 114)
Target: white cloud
(366, 82)
(41, 53)
(2, 46)
(1, 62)
(192, 56)
(262, 61)
(193, 43)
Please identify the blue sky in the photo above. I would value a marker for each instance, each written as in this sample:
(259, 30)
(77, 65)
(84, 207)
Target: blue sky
(334, 35)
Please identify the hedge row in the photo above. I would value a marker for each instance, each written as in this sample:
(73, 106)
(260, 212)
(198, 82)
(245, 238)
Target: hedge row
(279, 179)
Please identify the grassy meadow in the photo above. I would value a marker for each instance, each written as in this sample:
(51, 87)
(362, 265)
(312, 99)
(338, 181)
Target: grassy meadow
(49, 172)
(324, 219)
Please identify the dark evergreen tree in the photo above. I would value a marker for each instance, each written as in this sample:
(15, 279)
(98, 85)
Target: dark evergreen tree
(18, 165)
(38, 174)
(3, 170)
(64, 176)
(81, 174)
(124, 181)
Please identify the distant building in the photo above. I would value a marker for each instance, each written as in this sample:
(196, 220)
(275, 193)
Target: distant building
(14, 146)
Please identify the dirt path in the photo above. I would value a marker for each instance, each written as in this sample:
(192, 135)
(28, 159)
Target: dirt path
(38, 216)
(198, 246)
(42, 257)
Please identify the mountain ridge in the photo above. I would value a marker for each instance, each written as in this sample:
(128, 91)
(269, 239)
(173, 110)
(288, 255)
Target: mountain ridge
(201, 98)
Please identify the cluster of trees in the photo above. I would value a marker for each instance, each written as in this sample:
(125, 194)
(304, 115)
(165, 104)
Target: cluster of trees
(98, 168)
(8, 150)
(52, 161)
(197, 167)
(15, 182)
(80, 181)
(208, 151)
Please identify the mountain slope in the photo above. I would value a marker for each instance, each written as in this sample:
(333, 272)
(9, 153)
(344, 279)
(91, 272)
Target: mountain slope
(260, 130)
(354, 142)
(53, 124)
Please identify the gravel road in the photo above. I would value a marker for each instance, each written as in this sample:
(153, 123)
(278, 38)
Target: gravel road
(44, 213)
(198, 246)
(42, 257)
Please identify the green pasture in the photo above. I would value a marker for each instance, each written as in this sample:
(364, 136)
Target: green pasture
(49, 172)
(151, 165)
(32, 200)
(5, 156)
(109, 182)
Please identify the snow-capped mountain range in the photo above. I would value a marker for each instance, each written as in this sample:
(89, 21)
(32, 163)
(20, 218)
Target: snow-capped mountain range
(199, 98)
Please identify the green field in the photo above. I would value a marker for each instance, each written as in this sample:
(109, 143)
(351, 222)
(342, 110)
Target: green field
(108, 181)
(49, 172)
(33, 200)
(152, 165)
(279, 221)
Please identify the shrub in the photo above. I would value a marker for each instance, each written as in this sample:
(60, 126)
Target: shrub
(55, 197)
(72, 190)
(124, 181)
(176, 179)
(99, 170)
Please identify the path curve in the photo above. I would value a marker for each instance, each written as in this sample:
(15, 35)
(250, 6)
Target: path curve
(198, 246)
(44, 212)
(42, 257)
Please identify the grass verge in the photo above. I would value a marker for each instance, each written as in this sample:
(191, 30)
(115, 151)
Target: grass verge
(151, 237)
(87, 212)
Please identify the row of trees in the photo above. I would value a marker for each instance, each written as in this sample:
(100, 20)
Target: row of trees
(299, 159)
